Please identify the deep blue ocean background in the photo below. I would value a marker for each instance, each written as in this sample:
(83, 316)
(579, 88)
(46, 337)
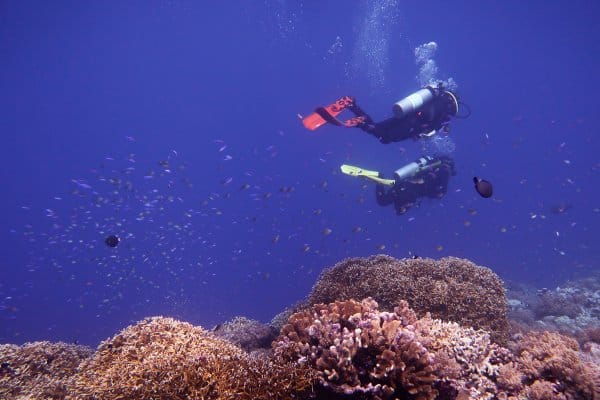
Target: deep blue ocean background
(174, 125)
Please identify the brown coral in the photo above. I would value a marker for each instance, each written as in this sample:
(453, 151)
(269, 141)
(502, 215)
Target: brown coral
(551, 361)
(359, 350)
(451, 289)
(38, 370)
(161, 358)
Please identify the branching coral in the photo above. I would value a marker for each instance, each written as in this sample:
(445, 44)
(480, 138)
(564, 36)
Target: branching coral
(466, 361)
(359, 350)
(38, 370)
(451, 289)
(549, 360)
(161, 358)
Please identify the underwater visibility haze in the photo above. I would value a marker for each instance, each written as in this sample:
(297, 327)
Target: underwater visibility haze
(155, 161)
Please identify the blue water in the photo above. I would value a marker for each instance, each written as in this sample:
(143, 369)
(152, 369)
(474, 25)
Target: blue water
(174, 125)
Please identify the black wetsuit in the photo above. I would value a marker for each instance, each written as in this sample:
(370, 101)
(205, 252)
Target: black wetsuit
(431, 183)
(433, 117)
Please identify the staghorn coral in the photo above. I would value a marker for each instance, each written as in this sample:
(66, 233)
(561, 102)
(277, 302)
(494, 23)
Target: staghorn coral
(247, 333)
(451, 289)
(161, 358)
(38, 370)
(359, 350)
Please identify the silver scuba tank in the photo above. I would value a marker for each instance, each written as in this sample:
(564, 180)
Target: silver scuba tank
(415, 167)
(414, 102)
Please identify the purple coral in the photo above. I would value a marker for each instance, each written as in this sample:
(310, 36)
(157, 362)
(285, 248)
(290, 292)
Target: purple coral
(357, 349)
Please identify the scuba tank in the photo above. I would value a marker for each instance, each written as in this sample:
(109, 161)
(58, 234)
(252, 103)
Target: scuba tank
(414, 102)
(420, 99)
(416, 167)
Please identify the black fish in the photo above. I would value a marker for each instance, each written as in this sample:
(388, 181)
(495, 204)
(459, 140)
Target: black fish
(483, 187)
(111, 241)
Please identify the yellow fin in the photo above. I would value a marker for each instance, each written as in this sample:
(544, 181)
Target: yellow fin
(365, 173)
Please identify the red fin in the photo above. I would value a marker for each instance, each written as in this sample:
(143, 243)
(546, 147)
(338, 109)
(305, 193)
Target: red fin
(323, 115)
(313, 121)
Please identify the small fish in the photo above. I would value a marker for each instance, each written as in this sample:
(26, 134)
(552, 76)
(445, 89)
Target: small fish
(227, 181)
(222, 148)
(327, 231)
(227, 157)
(306, 248)
(275, 239)
(244, 186)
(81, 184)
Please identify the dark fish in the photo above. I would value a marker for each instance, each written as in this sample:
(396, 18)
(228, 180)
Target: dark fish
(483, 187)
(111, 241)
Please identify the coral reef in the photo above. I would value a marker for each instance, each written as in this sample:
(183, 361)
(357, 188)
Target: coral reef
(361, 352)
(249, 334)
(161, 358)
(38, 370)
(451, 289)
(549, 366)
(573, 309)
(555, 304)
(345, 349)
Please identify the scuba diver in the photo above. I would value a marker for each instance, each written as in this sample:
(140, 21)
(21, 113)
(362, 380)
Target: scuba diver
(422, 114)
(425, 177)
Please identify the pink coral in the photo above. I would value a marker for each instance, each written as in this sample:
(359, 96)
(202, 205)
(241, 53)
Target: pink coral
(360, 350)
